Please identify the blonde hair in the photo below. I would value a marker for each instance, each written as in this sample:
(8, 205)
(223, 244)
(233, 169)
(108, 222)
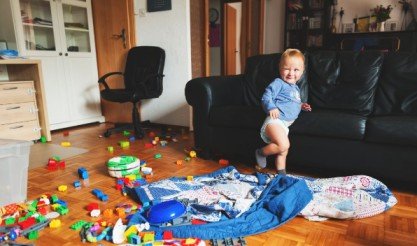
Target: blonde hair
(291, 53)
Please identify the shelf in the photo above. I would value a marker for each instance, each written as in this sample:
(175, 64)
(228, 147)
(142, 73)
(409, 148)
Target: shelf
(37, 25)
(76, 29)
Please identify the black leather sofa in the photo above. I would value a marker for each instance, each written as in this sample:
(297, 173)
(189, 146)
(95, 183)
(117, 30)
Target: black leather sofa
(364, 118)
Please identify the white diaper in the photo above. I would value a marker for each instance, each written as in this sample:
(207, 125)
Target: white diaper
(284, 124)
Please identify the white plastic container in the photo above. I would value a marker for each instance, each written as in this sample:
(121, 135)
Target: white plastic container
(14, 163)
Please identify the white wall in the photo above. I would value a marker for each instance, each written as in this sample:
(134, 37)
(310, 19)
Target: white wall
(169, 30)
(274, 26)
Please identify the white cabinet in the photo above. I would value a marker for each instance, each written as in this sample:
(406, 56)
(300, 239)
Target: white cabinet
(60, 34)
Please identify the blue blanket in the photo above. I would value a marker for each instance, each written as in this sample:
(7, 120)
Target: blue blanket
(281, 199)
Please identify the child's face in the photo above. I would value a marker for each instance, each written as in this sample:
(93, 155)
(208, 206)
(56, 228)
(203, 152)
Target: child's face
(291, 69)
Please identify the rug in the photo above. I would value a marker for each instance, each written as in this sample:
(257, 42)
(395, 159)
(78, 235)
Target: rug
(41, 152)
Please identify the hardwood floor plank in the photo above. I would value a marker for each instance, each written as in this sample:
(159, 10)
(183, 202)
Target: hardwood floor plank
(397, 226)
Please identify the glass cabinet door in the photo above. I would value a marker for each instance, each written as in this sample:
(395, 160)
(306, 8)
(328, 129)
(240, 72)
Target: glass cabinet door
(77, 33)
(38, 27)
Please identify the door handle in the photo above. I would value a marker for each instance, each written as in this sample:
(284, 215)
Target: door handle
(122, 35)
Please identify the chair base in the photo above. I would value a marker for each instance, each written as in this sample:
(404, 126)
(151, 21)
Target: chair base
(120, 127)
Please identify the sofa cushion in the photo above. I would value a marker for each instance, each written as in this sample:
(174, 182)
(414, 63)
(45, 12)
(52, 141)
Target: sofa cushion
(397, 88)
(329, 123)
(392, 130)
(344, 80)
(237, 116)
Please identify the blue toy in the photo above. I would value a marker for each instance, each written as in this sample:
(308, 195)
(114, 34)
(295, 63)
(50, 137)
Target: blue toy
(165, 211)
(82, 172)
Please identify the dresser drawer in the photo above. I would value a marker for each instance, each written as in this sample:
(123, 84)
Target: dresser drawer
(29, 130)
(18, 112)
(17, 92)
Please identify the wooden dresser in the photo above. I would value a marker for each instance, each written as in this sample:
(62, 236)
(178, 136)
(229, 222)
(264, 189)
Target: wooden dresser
(23, 113)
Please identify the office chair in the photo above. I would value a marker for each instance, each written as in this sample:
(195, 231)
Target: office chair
(142, 80)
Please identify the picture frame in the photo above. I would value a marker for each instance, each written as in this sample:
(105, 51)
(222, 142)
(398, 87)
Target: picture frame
(3, 45)
(348, 27)
(391, 26)
(362, 24)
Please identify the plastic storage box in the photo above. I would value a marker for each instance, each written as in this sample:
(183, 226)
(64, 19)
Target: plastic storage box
(14, 163)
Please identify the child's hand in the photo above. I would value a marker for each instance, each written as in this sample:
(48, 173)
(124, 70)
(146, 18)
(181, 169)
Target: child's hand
(305, 107)
(274, 113)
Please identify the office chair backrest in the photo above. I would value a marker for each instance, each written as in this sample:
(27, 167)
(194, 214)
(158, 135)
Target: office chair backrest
(145, 62)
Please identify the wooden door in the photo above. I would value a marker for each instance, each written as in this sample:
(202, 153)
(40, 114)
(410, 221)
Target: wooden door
(230, 39)
(111, 17)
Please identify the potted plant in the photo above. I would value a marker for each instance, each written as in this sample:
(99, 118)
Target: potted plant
(382, 14)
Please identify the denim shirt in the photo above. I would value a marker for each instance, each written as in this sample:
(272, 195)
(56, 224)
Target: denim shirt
(284, 96)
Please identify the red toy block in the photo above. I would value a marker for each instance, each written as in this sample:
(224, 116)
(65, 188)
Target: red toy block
(90, 207)
(167, 235)
(43, 210)
(119, 187)
(198, 222)
(27, 223)
(148, 145)
(223, 162)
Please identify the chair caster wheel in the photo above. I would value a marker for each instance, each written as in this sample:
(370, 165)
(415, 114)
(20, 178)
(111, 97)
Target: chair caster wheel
(106, 134)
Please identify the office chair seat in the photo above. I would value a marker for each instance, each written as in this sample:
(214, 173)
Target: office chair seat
(142, 80)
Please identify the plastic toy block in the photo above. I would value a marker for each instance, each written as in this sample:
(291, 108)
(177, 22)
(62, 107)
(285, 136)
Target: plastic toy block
(65, 144)
(62, 210)
(148, 145)
(126, 133)
(43, 210)
(27, 223)
(142, 163)
(167, 235)
(43, 139)
(82, 172)
(33, 235)
(146, 170)
(91, 206)
(151, 134)
(95, 213)
(190, 178)
(77, 225)
(163, 143)
(133, 239)
(187, 158)
(148, 237)
(77, 184)
(120, 212)
(198, 222)
(154, 142)
(54, 198)
(190, 242)
(62, 203)
(40, 218)
(132, 139)
(193, 154)
(108, 213)
(110, 149)
(124, 144)
(119, 187)
(158, 236)
(65, 133)
(131, 230)
(55, 223)
(62, 188)
(9, 221)
(158, 156)
(156, 139)
(223, 162)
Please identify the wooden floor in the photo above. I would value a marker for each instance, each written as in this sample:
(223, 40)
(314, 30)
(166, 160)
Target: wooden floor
(397, 226)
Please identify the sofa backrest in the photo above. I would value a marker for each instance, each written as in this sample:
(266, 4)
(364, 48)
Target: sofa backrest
(260, 71)
(344, 80)
(397, 87)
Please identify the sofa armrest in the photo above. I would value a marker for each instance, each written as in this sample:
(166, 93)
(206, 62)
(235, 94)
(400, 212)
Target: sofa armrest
(204, 93)
(215, 91)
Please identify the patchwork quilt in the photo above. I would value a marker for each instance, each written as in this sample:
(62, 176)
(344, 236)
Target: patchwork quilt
(238, 204)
